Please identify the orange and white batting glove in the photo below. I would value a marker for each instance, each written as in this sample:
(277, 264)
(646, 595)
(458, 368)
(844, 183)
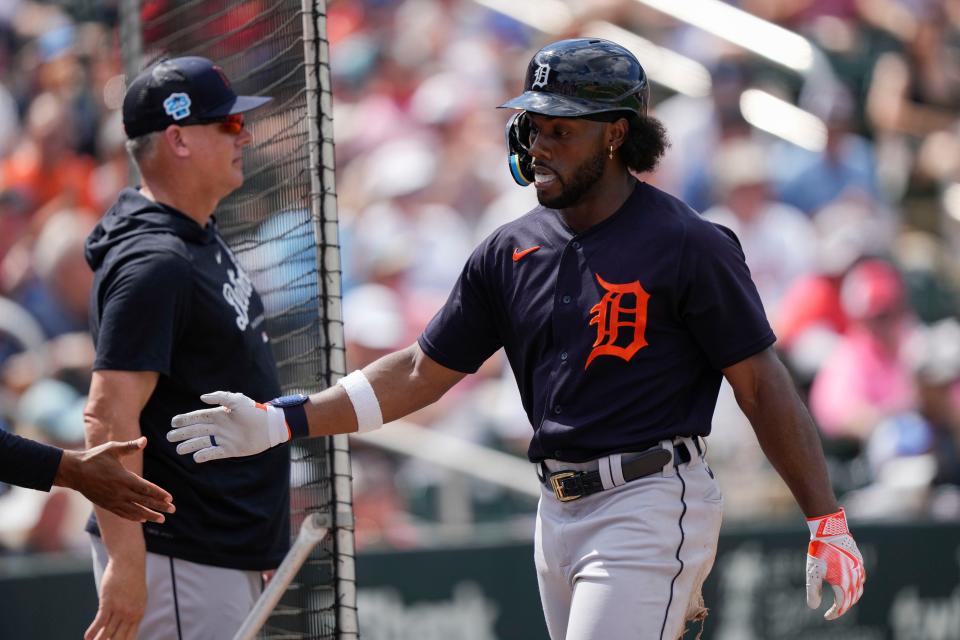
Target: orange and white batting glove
(832, 555)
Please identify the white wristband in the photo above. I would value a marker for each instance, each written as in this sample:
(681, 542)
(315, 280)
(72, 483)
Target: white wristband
(364, 401)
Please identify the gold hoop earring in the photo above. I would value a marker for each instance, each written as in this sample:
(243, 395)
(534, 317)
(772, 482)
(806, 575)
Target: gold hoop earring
(611, 152)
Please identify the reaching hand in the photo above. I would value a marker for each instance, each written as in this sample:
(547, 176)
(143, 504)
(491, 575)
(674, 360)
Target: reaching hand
(98, 474)
(832, 555)
(239, 427)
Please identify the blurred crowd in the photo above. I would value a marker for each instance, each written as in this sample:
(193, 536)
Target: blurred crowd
(852, 236)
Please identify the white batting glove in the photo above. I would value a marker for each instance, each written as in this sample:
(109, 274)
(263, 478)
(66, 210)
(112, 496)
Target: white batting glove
(832, 555)
(238, 428)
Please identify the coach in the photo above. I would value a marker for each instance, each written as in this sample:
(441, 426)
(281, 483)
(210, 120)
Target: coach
(173, 314)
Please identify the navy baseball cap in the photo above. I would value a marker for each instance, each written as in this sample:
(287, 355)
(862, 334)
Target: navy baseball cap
(183, 91)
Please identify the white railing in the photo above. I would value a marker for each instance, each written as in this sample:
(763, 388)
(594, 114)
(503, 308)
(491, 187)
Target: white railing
(456, 454)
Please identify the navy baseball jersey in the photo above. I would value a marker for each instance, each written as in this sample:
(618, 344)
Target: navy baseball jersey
(616, 335)
(169, 297)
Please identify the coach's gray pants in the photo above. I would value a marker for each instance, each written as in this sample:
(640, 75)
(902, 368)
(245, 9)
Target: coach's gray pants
(189, 601)
(628, 563)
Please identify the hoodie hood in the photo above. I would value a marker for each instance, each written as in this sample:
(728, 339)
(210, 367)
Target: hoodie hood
(134, 217)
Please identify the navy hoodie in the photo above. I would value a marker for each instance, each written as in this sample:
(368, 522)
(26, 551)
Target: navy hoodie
(170, 297)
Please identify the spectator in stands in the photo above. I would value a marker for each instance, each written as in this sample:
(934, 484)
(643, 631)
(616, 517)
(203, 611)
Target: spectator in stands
(811, 318)
(778, 241)
(931, 272)
(914, 455)
(44, 166)
(62, 284)
(865, 378)
(936, 362)
(810, 180)
(698, 127)
(912, 104)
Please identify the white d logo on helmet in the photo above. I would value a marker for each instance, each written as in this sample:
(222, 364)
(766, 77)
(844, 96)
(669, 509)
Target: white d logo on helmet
(177, 105)
(540, 76)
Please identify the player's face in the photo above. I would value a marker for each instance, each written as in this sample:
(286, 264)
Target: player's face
(220, 153)
(569, 158)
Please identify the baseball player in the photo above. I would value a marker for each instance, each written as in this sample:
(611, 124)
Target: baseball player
(620, 310)
(173, 314)
(96, 473)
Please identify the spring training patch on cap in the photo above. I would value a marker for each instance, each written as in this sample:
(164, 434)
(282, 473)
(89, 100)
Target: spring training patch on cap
(177, 106)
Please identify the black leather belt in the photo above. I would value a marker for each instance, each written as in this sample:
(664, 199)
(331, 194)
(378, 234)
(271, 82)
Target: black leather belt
(573, 485)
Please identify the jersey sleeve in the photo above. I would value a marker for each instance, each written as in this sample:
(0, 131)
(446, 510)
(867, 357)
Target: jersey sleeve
(464, 333)
(143, 310)
(719, 302)
(26, 463)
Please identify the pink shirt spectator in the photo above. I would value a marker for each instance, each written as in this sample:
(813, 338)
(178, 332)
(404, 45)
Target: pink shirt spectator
(865, 378)
(861, 382)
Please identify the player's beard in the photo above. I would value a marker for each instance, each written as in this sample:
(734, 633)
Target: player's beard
(584, 177)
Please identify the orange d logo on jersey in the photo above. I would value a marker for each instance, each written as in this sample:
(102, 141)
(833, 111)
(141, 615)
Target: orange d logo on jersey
(620, 329)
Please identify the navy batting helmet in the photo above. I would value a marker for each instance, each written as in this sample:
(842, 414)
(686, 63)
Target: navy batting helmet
(581, 77)
(575, 78)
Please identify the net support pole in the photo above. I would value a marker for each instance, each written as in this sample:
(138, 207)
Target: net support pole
(131, 55)
(313, 530)
(131, 52)
(323, 205)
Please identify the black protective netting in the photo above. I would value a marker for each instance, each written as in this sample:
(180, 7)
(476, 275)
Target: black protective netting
(282, 227)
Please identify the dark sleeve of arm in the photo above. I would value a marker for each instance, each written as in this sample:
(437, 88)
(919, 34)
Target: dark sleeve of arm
(26, 463)
(143, 310)
(719, 302)
(464, 332)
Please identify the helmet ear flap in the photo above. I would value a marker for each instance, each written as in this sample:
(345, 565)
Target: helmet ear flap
(518, 158)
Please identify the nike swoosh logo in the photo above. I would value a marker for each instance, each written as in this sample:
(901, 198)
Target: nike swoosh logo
(517, 254)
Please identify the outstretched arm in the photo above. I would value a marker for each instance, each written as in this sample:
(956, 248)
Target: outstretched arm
(394, 386)
(404, 382)
(99, 475)
(789, 439)
(96, 473)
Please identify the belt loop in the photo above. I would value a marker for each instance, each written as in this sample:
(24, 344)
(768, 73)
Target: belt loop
(692, 448)
(669, 469)
(616, 469)
(604, 466)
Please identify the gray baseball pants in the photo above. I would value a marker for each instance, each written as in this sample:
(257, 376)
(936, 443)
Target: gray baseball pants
(189, 601)
(628, 562)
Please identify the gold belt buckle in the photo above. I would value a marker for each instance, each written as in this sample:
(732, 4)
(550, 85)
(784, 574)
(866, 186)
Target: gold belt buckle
(555, 481)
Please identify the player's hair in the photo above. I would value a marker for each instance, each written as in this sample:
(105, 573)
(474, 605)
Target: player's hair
(141, 147)
(645, 144)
